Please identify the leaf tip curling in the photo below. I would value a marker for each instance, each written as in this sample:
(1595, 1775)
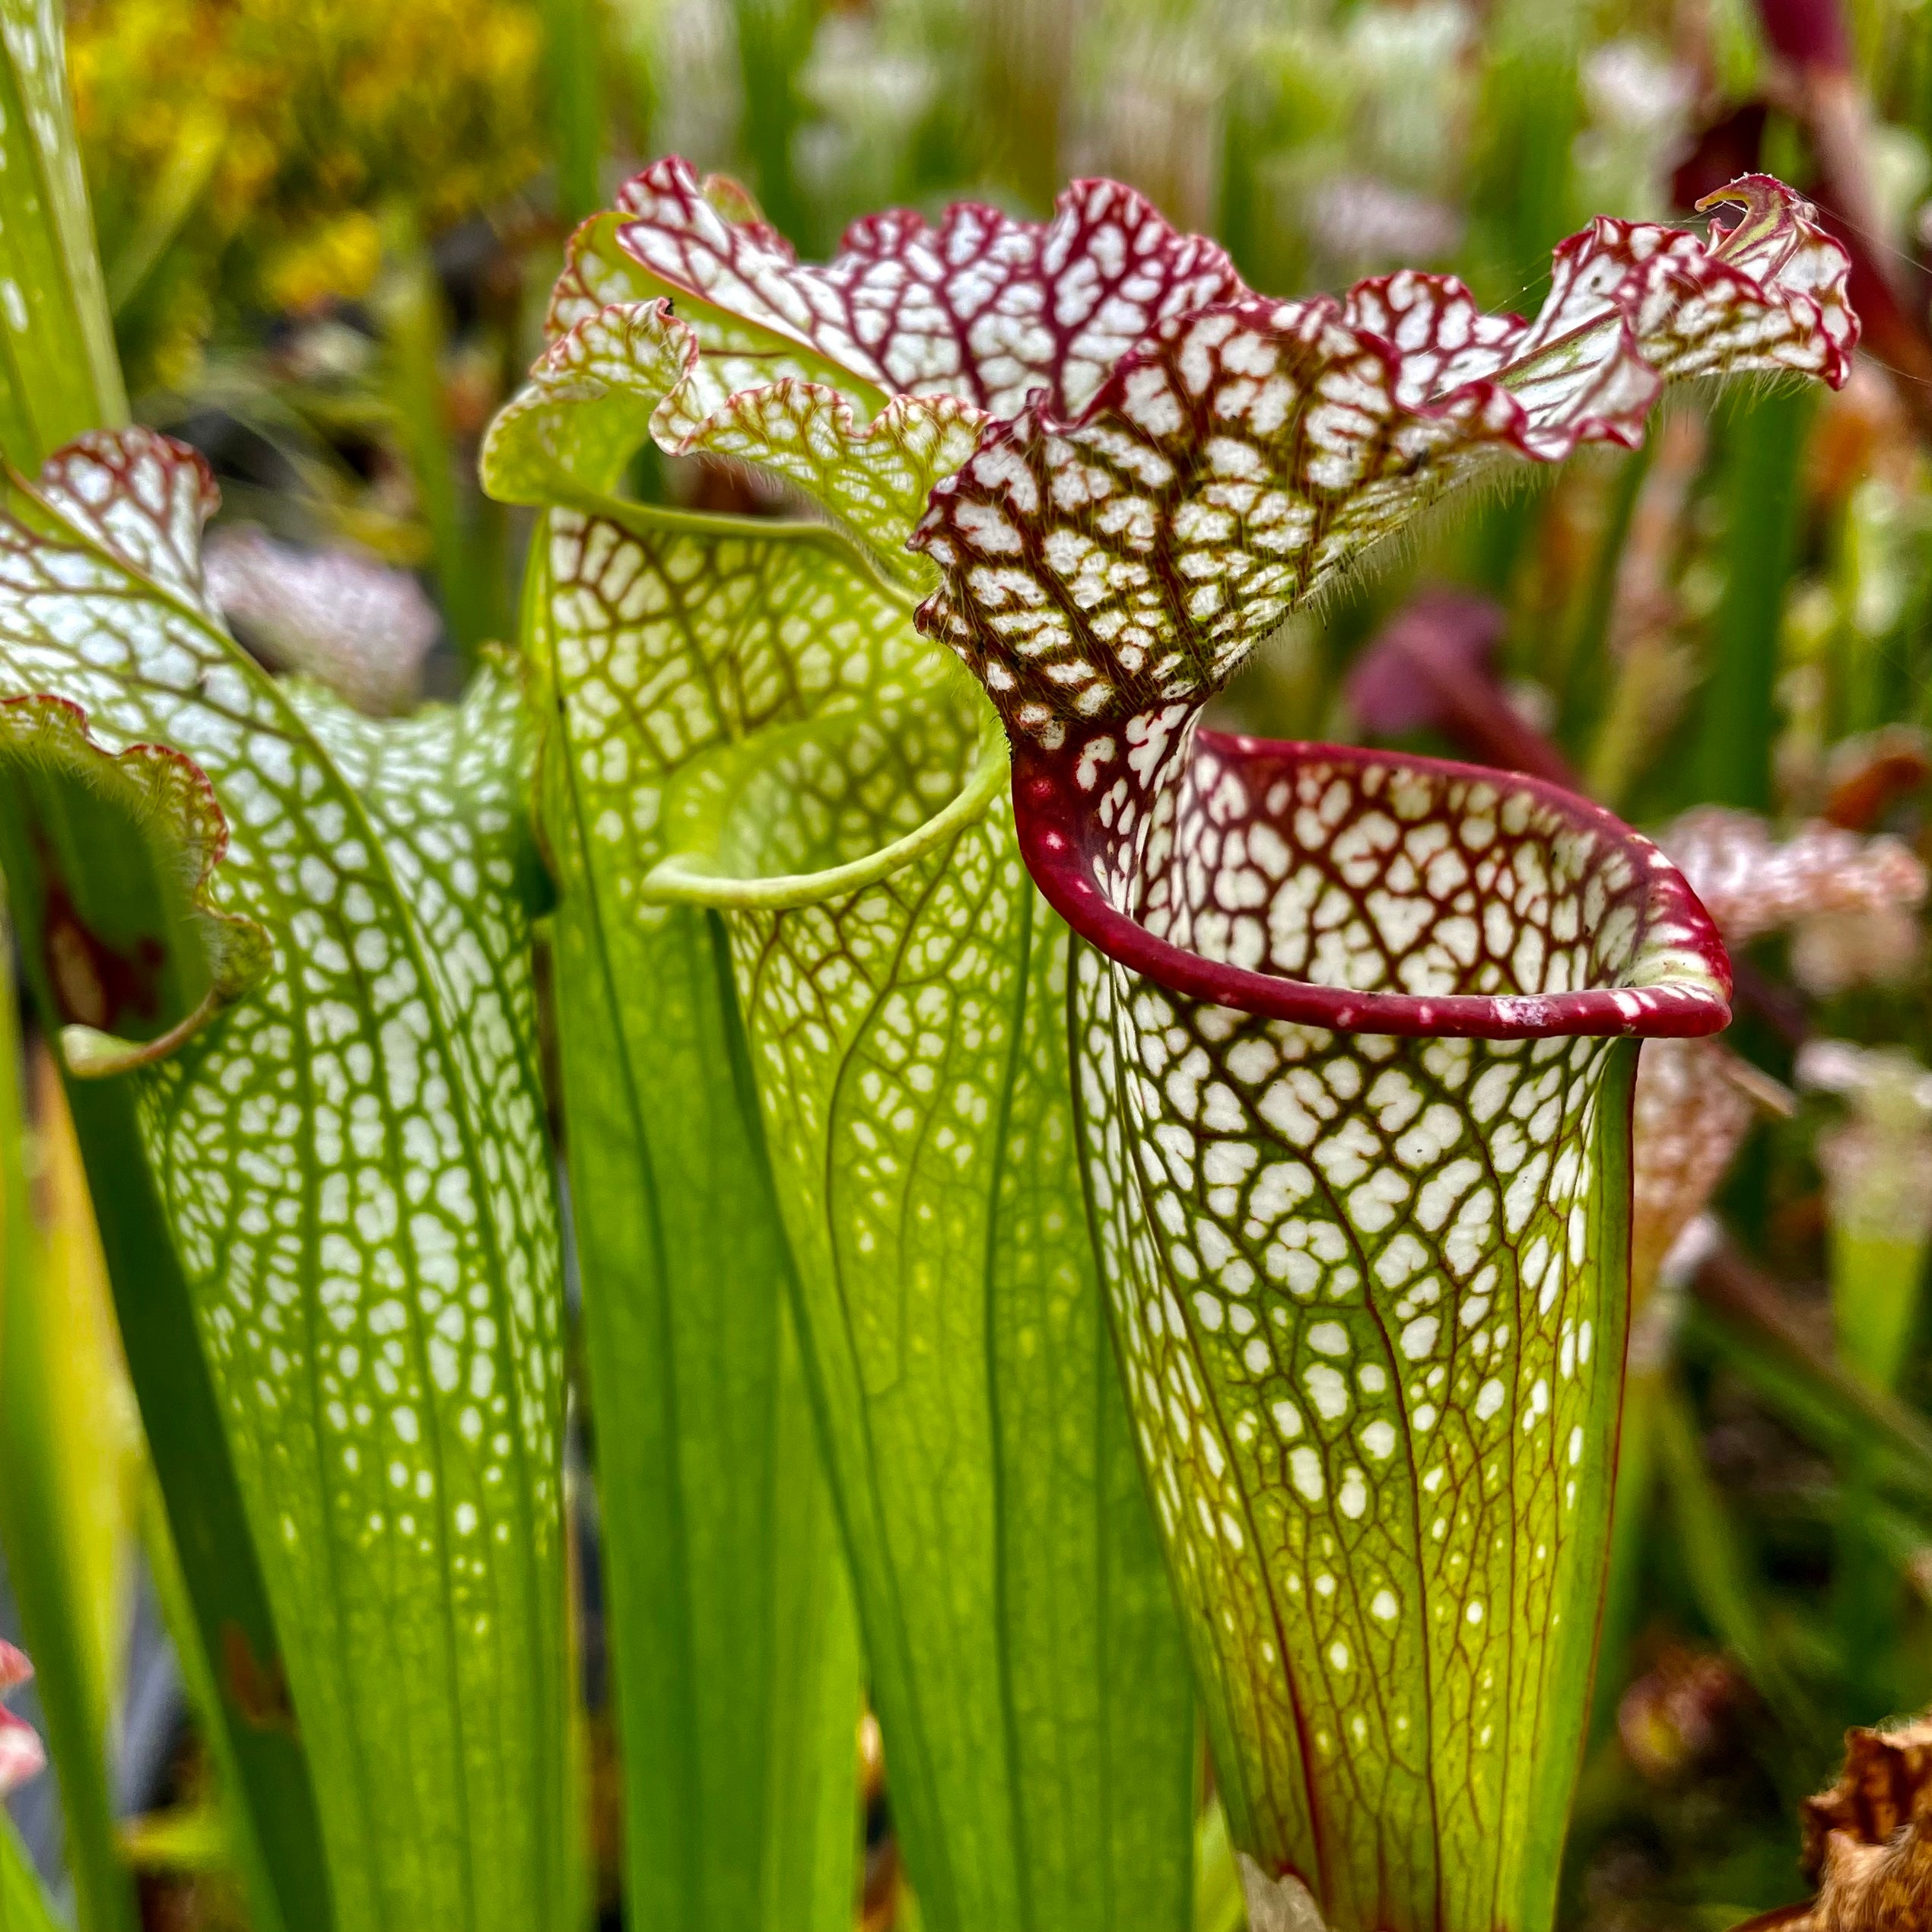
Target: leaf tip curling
(1235, 459)
(164, 798)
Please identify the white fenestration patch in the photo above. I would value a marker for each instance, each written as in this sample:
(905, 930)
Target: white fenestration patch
(1388, 1265)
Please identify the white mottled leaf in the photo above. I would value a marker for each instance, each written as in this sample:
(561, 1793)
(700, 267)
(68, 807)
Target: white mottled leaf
(352, 1162)
(1098, 563)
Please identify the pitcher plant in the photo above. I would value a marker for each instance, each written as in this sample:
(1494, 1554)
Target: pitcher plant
(1341, 1061)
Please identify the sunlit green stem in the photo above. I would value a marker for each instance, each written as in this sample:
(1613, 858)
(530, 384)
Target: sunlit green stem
(1877, 1167)
(574, 60)
(1718, 1569)
(43, 1529)
(1764, 445)
(1631, 1526)
(1219, 1905)
(1875, 1281)
(416, 324)
(774, 41)
(166, 202)
(24, 1906)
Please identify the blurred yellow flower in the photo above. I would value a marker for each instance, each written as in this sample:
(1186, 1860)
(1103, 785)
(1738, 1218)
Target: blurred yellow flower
(339, 258)
(249, 145)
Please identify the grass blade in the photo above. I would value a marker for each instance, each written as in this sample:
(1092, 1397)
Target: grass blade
(55, 1520)
(24, 1906)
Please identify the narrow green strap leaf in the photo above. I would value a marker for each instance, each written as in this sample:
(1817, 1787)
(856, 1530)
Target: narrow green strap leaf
(352, 1166)
(1721, 1576)
(169, 198)
(175, 1600)
(58, 373)
(24, 1906)
(1743, 1317)
(734, 1642)
(52, 1516)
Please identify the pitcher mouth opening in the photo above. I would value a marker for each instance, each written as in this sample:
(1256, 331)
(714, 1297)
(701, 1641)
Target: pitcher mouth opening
(719, 826)
(1368, 892)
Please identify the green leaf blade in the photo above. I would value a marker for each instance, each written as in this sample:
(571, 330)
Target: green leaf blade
(59, 376)
(1103, 1709)
(64, 1537)
(735, 1644)
(24, 1906)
